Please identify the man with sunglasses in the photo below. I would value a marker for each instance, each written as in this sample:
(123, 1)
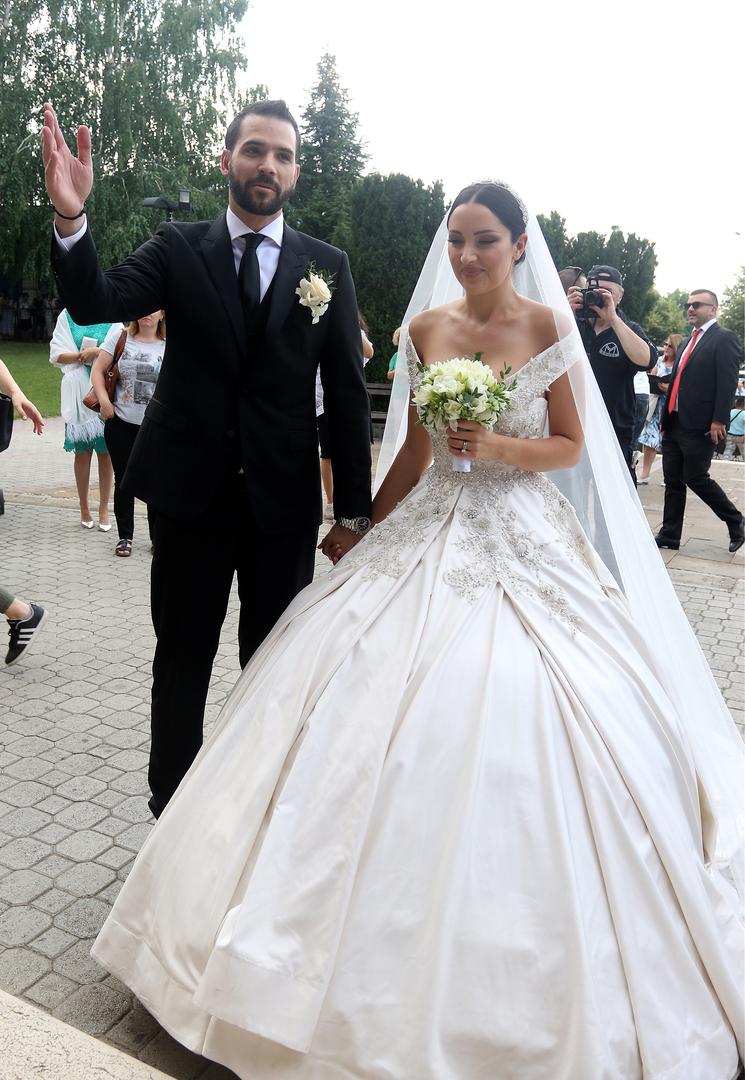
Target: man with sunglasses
(702, 386)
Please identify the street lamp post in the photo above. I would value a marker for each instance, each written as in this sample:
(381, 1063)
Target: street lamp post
(182, 204)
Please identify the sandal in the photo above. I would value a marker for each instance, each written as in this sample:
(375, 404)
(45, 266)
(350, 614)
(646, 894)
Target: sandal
(123, 549)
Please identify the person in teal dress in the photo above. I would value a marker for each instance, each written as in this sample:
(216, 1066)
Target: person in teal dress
(73, 349)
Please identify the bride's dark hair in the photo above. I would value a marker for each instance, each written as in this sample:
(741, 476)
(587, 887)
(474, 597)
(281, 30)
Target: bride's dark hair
(502, 202)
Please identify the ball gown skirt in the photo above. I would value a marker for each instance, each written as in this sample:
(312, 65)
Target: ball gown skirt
(447, 826)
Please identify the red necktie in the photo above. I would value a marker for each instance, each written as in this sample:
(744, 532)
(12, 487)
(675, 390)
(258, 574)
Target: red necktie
(673, 399)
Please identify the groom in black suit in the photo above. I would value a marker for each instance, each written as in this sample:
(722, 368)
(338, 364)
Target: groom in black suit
(695, 419)
(227, 455)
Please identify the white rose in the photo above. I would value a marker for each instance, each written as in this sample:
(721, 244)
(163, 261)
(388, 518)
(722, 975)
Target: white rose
(319, 289)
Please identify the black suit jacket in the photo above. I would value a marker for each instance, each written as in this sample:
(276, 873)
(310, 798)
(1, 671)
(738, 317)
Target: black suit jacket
(709, 380)
(226, 400)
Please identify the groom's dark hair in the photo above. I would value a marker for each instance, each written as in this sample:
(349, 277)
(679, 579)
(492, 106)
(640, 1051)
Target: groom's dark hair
(276, 108)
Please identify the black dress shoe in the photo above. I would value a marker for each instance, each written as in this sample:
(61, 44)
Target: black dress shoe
(155, 809)
(736, 542)
(661, 542)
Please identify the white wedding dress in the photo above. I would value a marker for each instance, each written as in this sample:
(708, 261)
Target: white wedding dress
(448, 825)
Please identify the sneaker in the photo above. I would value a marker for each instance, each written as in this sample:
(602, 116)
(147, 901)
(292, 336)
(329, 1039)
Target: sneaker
(23, 632)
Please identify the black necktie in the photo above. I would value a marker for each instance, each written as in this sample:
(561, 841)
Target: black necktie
(248, 274)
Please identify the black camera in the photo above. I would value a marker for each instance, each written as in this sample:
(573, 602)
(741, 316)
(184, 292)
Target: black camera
(590, 298)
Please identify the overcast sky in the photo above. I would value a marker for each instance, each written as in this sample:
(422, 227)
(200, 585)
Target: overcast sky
(625, 114)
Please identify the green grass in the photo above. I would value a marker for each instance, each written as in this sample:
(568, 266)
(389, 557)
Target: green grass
(28, 363)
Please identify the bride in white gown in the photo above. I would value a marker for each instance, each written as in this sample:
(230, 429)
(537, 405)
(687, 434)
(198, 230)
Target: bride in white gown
(451, 824)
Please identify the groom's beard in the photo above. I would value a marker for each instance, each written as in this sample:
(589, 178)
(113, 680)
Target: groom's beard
(258, 202)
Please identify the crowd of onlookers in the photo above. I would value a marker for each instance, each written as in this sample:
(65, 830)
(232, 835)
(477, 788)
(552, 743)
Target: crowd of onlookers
(28, 317)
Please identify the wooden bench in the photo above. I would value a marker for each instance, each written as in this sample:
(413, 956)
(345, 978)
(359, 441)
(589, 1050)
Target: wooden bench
(377, 389)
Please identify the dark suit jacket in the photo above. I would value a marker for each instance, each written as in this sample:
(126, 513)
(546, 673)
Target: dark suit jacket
(709, 380)
(226, 400)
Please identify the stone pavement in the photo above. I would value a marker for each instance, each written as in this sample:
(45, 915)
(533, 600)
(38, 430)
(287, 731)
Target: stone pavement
(74, 729)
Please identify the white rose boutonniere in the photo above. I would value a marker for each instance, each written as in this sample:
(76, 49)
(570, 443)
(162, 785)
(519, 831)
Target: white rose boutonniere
(315, 290)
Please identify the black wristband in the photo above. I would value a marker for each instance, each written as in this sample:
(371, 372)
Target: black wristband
(65, 216)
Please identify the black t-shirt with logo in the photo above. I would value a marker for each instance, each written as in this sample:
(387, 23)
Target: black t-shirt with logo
(614, 371)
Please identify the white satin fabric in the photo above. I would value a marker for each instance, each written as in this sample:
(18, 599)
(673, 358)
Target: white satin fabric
(448, 825)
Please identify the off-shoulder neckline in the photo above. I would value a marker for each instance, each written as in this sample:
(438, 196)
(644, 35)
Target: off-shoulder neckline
(513, 373)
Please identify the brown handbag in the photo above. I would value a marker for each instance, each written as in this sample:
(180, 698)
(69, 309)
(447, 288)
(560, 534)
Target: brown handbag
(111, 377)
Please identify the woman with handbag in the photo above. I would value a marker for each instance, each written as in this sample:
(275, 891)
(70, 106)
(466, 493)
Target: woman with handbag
(651, 437)
(73, 349)
(138, 366)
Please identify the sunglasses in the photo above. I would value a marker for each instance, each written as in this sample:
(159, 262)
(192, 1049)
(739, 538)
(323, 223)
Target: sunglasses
(696, 305)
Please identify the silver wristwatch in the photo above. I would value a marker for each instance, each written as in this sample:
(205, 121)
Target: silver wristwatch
(357, 524)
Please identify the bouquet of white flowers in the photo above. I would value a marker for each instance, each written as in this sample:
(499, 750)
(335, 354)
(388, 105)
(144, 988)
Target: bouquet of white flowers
(461, 389)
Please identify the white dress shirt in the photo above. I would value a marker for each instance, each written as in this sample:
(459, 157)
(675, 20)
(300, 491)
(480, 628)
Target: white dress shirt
(267, 252)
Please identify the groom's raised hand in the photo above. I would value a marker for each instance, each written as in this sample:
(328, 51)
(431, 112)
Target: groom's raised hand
(68, 179)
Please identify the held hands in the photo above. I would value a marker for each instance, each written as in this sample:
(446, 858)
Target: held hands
(28, 411)
(337, 541)
(68, 179)
(480, 443)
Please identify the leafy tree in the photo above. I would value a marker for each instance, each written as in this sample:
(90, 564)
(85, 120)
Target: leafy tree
(732, 309)
(666, 316)
(152, 80)
(392, 220)
(554, 230)
(331, 159)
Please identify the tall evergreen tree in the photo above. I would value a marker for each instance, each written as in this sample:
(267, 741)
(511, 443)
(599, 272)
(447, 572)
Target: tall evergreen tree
(392, 222)
(554, 230)
(331, 159)
(152, 78)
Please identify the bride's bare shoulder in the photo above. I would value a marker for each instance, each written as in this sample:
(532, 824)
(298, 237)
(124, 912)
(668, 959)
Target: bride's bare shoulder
(545, 323)
(427, 323)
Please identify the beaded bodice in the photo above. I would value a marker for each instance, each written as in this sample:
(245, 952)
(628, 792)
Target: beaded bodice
(503, 525)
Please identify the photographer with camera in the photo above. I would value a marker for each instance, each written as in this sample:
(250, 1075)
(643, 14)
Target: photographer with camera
(616, 348)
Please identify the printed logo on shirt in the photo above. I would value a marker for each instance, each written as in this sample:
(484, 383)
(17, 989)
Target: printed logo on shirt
(610, 349)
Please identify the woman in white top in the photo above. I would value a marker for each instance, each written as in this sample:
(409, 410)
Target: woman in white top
(139, 367)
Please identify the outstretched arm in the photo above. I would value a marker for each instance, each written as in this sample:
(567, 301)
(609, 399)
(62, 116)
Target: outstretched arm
(68, 179)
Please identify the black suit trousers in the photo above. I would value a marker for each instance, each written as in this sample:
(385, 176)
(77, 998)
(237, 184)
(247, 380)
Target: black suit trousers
(686, 458)
(192, 574)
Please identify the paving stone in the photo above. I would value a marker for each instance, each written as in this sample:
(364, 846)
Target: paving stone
(80, 788)
(23, 852)
(134, 1030)
(25, 793)
(115, 857)
(110, 893)
(54, 804)
(130, 761)
(19, 925)
(134, 837)
(51, 990)
(54, 865)
(80, 765)
(170, 1057)
(76, 963)
(84, 845)
(20, 968)
(109, 798)
(54, 901)
(112, 826)
(81, 815)
(27, 768)
(85, 879)
(53, 942)
(84, 918)
(21, 886)
(94, 1009)
(24, 822)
